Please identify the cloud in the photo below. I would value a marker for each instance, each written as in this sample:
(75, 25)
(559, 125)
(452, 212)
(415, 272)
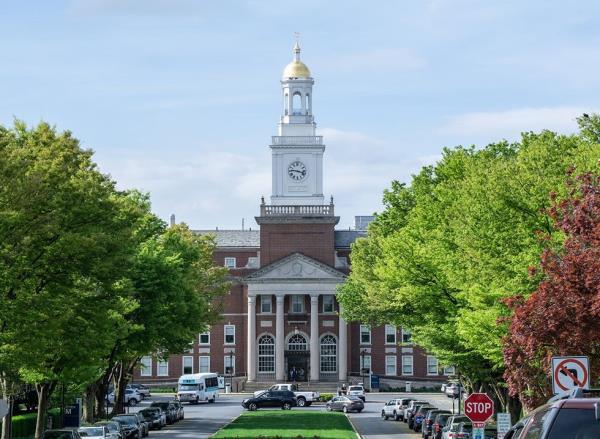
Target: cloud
(510, 123)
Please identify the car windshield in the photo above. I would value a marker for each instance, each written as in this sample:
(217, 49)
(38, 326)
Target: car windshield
(113, 427)
(57, 434)
(355, 388)
(129, 420)
(162, 405)
(575, 423)
(354, 398)
(188, 387)
(91, 431)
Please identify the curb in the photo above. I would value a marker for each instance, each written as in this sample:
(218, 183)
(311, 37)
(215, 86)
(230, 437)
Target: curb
(353, 426)
(230, 422)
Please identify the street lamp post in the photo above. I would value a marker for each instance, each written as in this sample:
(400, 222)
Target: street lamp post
(362, 365)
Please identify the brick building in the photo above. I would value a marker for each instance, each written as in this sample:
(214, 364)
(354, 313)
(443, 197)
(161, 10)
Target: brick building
(282, 311)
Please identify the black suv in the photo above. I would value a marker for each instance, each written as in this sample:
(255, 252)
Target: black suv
(271, 398)
(169, 409)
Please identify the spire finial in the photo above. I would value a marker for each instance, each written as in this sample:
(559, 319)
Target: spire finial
(297, 46)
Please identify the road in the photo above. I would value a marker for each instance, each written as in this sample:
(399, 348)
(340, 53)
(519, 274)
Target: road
(203, 420)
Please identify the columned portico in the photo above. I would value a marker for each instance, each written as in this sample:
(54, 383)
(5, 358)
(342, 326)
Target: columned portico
(314, 337)
(279, 340)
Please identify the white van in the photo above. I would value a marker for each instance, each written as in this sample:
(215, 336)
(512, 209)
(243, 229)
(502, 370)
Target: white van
(197, 387)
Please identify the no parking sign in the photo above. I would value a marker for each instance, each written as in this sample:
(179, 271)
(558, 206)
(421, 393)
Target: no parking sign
(570, 373)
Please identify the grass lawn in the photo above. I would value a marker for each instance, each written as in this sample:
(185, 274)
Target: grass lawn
(288, 424)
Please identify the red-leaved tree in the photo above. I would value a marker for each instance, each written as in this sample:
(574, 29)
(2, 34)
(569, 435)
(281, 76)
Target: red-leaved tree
(562, 317)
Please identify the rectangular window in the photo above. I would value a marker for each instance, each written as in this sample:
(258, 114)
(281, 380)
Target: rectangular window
(204, 338)
(229, 365)
(229, 334)
(162, 368)
(265, 304)
(297, 304)
(407, 364)
(365, 363)
(432, 365)
(365, 334)
(328, 303)
(390, 334)
(230, 262)
(449, 370)
(146, 367)
(204, 363)
(188, 365)
(406, 336)
(390, 365)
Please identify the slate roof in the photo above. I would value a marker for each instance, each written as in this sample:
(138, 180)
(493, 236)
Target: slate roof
(343, 238)
(234, 238)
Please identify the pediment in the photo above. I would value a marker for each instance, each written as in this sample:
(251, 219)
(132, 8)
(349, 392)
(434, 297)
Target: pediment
(297, 267)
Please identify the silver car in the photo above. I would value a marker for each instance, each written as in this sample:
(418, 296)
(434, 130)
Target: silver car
(94, 432)
(345, 404)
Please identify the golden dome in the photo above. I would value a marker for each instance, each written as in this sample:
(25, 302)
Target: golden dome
(296, 69)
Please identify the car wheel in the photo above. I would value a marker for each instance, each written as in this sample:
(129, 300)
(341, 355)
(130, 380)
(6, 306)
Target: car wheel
(328, 408)
(301, 402)
(360, 410)
(287, 406)
(132, 402)
(345, 409)
(396, 417)
(252, 407)
(383, 414)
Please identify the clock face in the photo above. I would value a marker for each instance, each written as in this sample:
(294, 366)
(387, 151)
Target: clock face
(297, 170)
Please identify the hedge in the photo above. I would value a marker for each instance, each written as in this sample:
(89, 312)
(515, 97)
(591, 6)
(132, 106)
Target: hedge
(23, 426)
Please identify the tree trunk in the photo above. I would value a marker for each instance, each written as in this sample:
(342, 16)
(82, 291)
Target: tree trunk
(7, 421)
(515, 408)
(43, 391)
(89, 399)
(119, 378)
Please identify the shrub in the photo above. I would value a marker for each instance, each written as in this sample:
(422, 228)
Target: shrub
(23, 426)
(325, 397)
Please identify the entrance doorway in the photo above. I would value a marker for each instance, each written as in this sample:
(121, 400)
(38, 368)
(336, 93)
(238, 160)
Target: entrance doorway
(298, 361)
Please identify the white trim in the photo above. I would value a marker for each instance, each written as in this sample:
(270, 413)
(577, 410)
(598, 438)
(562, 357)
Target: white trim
(395, 361)
(225, 334)
(332, 304)
(337, 353)
(146, 369)
(200, 363)
(200, 339)
(267, 299)
(449, 370)
(408, 332)
(302, 300)
(363, 363)
(183, 364)
(392, 330)
(258, 353)
(159, 364)
(361, 334)
(230, 262)
(412, 365)
(437, 366)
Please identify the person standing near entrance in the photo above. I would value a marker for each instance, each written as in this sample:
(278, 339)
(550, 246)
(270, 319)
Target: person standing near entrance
(293, 374)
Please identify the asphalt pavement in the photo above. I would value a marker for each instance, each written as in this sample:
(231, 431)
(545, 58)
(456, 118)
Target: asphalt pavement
(203, 420)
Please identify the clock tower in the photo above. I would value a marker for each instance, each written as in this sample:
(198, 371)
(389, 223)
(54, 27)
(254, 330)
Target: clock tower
(297, 152)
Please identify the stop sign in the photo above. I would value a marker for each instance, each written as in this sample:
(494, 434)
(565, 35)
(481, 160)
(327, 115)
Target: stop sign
(479, 407)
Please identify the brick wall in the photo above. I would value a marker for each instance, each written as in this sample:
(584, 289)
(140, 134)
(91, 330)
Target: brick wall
(313, 240)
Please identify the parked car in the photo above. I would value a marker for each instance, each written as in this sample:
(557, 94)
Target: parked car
(305, 399)
(114, 428)
(451, 428)
(94, 432)
(155, 417)
(130, 426)
(271, 398)
(130, 398)
(453, 390)
(439, 423)
(573, 415)
(394, 408)
(345, 404)
(141, 389)
(145, 424)
(357, 390)
(179, 409)
(169, 409)
(63, 433)
(412, 413)
(420, 417)
(410, 407)
(427, 427)
(443, 387)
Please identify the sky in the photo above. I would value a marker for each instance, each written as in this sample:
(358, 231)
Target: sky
(179, 98)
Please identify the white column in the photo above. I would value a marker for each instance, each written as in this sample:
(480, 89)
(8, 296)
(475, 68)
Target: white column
(251, 345)
(343, 347)
(279, 340)
(314, 337)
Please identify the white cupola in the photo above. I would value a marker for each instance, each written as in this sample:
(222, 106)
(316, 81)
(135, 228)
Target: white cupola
(297, 151)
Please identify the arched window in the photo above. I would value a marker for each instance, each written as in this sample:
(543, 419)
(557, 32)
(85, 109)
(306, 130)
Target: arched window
(297, 342)
(297, 103)
(266, 353)
(328, 354)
